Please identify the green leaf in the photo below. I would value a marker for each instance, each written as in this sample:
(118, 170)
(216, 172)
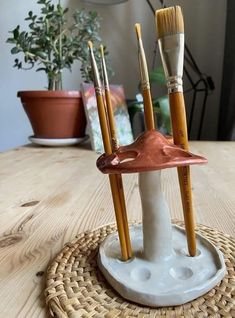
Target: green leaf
(10, 40)
(41, 54)
(16, 32)
(15, 50)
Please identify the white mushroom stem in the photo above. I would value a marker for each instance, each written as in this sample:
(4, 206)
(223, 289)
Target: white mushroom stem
(157, 230)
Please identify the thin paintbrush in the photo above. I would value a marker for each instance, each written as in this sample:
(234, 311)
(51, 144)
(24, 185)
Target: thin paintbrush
(170, 28)
(108, 150)
(110, 114)
(112, 128)
(148, 106)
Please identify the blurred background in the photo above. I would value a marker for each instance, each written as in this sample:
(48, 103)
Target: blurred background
(209, 32)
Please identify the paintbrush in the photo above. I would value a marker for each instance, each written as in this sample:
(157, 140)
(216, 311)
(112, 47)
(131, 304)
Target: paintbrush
(108, 101)
(112, 129)
(170, 29)
(145, 85)
(108, 150)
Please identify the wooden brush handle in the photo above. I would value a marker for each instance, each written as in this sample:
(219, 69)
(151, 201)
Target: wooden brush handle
(104, 125)
(179, 127)
(179, 123)
(119, 215)
(118, 177)
(110, 115)
(148, 109)
(118, 200)
(124, 215)
(187, 202)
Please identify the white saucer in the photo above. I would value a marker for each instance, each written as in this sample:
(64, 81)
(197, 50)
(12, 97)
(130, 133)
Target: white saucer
(57, 142)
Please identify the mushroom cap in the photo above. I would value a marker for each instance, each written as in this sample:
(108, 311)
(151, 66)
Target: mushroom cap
(150, 151)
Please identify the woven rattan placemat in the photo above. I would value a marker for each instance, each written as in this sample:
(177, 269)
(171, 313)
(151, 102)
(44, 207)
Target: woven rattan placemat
(76, 288)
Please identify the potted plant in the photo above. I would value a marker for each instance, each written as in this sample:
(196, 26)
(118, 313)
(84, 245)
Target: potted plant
(52, 45)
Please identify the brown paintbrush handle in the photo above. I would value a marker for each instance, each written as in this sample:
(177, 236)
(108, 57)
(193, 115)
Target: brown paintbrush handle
(110, 115)
(179, 127)
(187, 202)
(179, 123)
(124, 214)
(119, 216)
(103, 125)
(113, 178)
(148, 109)
(119, 176)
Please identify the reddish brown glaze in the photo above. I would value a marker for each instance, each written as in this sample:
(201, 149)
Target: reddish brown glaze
(150, 151)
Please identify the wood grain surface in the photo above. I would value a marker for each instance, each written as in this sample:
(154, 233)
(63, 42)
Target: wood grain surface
(49, 195)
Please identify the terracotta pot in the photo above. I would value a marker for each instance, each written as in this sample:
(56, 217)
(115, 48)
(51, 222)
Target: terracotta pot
(55, 114)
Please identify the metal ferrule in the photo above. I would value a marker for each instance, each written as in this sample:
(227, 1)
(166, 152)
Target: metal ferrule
(105, 75)
(172, 53)
(143, 67)
(98, 90)
(96, 77)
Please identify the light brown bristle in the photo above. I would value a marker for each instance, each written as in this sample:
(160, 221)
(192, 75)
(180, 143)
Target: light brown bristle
(90, 44)
(169, 21)
(138, 30)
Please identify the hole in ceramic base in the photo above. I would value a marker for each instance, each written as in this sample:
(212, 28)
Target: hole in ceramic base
(181, 273)
(170, 282)
(184, 252)
(128, 261)
(140, 274)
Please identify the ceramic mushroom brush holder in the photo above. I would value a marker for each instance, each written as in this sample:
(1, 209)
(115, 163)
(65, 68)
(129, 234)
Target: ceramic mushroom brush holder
(161, 272)
(158, 264)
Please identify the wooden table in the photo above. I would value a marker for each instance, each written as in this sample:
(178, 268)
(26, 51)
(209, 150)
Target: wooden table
(48, 195)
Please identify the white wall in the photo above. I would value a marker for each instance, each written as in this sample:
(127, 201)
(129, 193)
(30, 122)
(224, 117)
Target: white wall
(205, 25)
(205, 35)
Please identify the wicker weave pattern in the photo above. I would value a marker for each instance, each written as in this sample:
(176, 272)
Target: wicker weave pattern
(75, 287)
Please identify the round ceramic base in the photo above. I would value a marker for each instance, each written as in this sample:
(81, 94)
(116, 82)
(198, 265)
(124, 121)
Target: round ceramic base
(170, 282)
(56, 142)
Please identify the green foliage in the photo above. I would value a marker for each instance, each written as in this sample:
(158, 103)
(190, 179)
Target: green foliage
(52, 45)
(162, 108)
(160, 105)
(157, 76)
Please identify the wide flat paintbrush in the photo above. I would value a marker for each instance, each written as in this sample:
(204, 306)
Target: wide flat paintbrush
(145, 86)
(170, 29)
(112, 129)
(108, 150)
